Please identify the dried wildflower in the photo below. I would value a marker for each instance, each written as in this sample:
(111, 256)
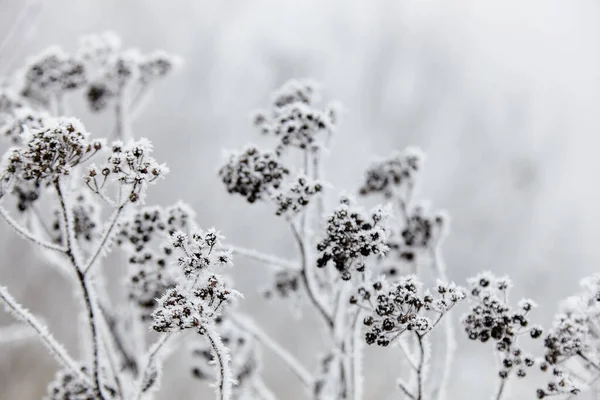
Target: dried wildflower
(352, 235)
(182, 308)
(252, 173)
(66, 385)
(200, 252)
(99, 48)
(296, 196)
(492, 318)
(131, 166)
(397, 307)
(198, 300)
(560, 384)
(293, 118)
(395, 175)
(50, 75)
(26, 193)
(423, 229)
(118, 73)
(152, 270)
(51, 152)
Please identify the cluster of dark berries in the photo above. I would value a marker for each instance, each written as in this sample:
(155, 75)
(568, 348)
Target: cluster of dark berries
(352, 235)
(393, 176)
(423, 229)
(561, 384)
(140, 235)
(397, 307)
(200, 297)
(294, 120)
(253, 173)
(184, 307)
(244, 364)
(66, 385)
(131, 166)
(86, 219)
(294, 198)
(200, 252)
(492, 318)
(50, 75)
(51, 152)
(574, 338)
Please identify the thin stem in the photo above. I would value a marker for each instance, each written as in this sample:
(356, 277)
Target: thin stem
(420, 367)
(293, 364)
(68, 230)
(28, 235)
(264, 258)
(261, 389)
(405, 390)
(221, 355)
(500, 391)
(596, 366)
(102, 245)
(311, 290)
(55, 348)
(449, 330)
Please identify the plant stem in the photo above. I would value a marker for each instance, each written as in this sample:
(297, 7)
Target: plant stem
(264, 258)
(102, 245)
(220, 352)
(28, 235)
(68, 231)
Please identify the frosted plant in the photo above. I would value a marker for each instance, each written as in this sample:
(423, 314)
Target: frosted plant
(77, 197)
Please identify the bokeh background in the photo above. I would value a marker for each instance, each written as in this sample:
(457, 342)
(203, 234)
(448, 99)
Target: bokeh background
(502, 95)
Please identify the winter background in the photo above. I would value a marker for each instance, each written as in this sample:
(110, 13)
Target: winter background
(502, 95)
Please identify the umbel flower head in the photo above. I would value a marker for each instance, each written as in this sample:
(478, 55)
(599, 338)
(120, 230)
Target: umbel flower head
(491, 318)
(86, 219)
(296, 196)
(50, 152)
(398, 307)
(352, 235)
(152, 269)
(395, 175)
(50, 75)
(22, 120)
(201, 295)
(132, 166)
(294, 119)
(252, 173)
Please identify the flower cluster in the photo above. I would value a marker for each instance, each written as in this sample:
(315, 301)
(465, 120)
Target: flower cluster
(252, 173)
(286, 283)
(393, 308)
(294, 119)
(50, 75)
(245, 357)
(574, 338)
(116, 69)
(395, 175)
(140, 236)
(351, 236)
(198, 300)
(51, 152)
(296, 196)
(492, 318)
(67, 385)
(131, 165)
(561, 384)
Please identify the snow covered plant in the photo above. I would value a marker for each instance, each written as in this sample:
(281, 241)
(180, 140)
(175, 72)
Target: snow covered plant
(374, 277)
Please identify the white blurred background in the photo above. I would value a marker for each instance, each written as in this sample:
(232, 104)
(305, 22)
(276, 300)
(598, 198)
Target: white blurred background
(502, 95)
